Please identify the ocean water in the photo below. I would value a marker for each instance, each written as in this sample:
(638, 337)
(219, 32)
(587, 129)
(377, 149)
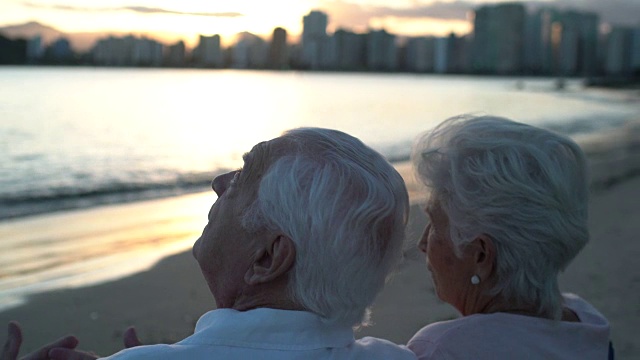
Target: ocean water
(78, 137)
(73, 139)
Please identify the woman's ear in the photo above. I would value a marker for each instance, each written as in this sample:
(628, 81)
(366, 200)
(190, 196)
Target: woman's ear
(483, 252)
(272, 261)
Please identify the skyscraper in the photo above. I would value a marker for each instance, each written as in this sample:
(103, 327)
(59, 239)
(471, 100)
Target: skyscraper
(35, 49)
(578, 43)
(441, 55)
(208, 53)
(176, 54)
(314, 38)
(250, 51)
(381, 51)
(420, 54)
(635, 51)
(278, 50)
(147, 52)
(498, 38)
(351, 50)
(618, 51)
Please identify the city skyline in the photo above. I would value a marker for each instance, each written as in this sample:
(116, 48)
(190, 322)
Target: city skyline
(507, 39)
(167, 21)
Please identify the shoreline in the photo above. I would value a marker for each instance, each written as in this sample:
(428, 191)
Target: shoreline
(165, 299)
(39, 203)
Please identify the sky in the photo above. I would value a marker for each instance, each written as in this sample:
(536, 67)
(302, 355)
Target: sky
(186, 19)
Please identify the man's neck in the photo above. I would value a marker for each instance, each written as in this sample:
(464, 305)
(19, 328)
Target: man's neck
(265, 298)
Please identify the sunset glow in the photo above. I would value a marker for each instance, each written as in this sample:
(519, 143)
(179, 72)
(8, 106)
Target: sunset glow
(170, 21)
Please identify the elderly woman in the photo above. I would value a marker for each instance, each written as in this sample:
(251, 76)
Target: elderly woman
(508, 212)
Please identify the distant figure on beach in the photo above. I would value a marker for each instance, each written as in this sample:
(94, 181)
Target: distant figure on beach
(298, 244)
(508, 211)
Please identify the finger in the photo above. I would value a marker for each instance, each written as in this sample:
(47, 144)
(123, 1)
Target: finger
(14, 340)
(70, 354)
(67, 342)
(130, 338)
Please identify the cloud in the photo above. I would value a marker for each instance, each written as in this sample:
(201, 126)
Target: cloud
(137, 9)
(616, 12)
(345, 13)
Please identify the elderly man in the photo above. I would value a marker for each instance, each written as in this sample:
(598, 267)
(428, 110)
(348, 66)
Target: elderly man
(297, 246)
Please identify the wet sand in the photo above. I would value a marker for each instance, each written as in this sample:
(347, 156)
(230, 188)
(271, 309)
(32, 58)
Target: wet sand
(165, 302)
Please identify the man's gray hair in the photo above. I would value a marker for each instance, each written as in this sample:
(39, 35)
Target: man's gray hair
(345, 207)
(523, 186)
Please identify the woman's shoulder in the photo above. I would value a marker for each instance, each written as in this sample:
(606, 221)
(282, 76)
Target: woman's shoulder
(447, 337)
(586, 312)
(493, 335)
(443, 329)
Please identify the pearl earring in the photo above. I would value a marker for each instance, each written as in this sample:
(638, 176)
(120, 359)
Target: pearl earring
(475, 280)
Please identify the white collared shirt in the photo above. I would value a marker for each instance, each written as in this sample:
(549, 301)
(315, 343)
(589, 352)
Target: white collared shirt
(269, 334)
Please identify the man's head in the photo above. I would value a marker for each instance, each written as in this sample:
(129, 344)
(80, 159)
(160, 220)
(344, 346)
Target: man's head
(315, 220)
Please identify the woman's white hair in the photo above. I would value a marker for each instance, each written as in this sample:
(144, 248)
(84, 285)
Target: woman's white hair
(523, 186)
(345, 207)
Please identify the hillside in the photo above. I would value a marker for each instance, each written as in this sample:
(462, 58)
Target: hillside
(79, 41)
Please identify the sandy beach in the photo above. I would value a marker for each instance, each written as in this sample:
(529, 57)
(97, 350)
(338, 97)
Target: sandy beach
(165, 301)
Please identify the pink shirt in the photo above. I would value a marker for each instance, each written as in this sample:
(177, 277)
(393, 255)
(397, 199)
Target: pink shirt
(511, 336)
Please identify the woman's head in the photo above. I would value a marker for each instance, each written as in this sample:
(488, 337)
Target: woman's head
(522, 187)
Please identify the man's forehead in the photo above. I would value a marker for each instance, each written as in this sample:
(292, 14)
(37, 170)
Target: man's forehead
(265, 149)
(264, 153)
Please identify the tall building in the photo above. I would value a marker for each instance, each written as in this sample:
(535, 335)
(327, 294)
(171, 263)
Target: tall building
(550, 38)
(314, 39)
(351, 50)
(176, 55)
(618, 51)
(635, 51)
(12, 51)
(146, 52)
(441, 55)
(114, 51)
(208, 53)
(458, 49)
(35, 50)
(588, 55)
(420, 54)
(569, 43)
(249, 52)
(60, 50)
(381, 51)
(498, 38)
(577, 53)
(279, 50)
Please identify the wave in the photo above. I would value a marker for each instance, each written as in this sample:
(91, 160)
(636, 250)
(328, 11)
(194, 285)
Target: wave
(586, 125)
(21, 204)
(52, 199)
(15, 204)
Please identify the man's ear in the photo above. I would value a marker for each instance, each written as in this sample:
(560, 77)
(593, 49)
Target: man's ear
(272, 261)
(483, 251)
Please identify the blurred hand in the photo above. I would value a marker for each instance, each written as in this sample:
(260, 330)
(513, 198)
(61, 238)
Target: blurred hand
(12, 345)
(130, 338)
(70, 354)
(14, 341)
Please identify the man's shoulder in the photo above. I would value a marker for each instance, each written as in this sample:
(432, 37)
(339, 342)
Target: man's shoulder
(366, 348)
(143, 352)
(159, 351)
